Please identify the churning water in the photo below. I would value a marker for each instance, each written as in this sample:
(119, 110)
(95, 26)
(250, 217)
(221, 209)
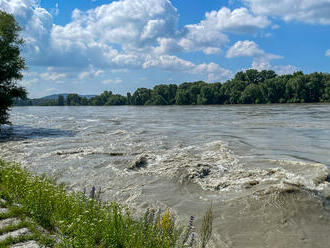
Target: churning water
(265, 168)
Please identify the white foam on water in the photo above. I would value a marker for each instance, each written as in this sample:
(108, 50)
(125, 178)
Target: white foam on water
(214, 166)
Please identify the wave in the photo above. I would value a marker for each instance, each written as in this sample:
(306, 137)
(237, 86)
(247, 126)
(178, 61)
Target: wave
(215, 167)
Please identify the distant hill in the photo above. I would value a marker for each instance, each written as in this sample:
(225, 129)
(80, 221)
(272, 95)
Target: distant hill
(45, 101)
(55, 96)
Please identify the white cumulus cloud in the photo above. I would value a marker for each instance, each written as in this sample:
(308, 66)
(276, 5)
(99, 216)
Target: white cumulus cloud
(309, 11)
(36, 22)
(261, 59)
(203, 38)
(172, 63)
(123, 34)
(239, 20)
(249, 48)
(209, 35)
(135, 34)
(134, 25)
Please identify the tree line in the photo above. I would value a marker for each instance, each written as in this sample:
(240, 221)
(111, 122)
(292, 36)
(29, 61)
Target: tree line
(247, 87)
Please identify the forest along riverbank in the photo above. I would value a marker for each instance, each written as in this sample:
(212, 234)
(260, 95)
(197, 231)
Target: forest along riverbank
(264, 167)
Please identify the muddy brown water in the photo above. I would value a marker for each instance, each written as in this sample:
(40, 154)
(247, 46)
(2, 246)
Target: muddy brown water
(265, 168)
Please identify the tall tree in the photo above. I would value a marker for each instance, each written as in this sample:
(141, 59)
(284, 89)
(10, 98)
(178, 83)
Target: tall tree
(11, 64)
(141, 96)
(60, 100)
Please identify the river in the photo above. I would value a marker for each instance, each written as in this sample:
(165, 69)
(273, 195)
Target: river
(265, 168)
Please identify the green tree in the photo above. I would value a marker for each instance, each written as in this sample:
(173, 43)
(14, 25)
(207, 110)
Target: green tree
(296, 89)
(233, 89)
(326, 94)
(84, 101)
(128, 98)
(264, 75)
(251, 94)
(253, 76)
(160, 95)
(11, 64)
(141, 96)
(207, 95)
(273, 90)
(101, 99)
(182, 97)
(188, 93)
(60, 100)
(73, 100)
(314, 87)
(116, 100)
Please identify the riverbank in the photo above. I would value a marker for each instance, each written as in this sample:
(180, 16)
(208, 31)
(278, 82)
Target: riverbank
(80, 221)
(19, 231)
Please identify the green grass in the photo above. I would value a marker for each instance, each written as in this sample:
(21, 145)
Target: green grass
(17, 212)
(21, 239)
(13, 227)
(82, 222)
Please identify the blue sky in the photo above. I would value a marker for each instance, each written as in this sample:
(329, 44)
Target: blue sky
(88, 46)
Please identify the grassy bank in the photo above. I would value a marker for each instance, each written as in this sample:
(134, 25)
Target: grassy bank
(82, 222)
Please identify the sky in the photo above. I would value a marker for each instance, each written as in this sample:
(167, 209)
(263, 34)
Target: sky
(89, 46)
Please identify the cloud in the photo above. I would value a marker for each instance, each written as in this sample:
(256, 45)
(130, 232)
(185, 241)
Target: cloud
(168, 62)
(237, 21)
(135, 34)
(112, 81)
(84, 75)
(52, 76)
(327, 53)
(122, 35)
(37, 24)
(249, 48)
(309, 11)
(209, 35)
(285, 69)
(172, 63)
(134, 25)
(90, 72)
(203, 38)
(261, 59)
(279, 69)
(213, 71)
(167, 45)
(98, 72)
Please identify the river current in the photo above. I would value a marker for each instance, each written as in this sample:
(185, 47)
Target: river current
(265, 168)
